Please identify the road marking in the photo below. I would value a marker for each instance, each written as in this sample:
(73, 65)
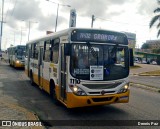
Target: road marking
(152, 88)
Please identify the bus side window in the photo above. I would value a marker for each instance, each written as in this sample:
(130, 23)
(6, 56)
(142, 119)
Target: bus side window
(47, 51)
(36, 52)
(55, 53)
(32, 50)
(27, 49)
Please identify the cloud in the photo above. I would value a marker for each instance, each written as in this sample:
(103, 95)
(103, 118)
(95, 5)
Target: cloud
(48, 22)
(30, 10)
(146, 8)
(99, 8)
(24, 10)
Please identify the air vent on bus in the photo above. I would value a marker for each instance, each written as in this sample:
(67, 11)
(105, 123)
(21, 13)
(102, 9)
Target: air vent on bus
(102, 86)
(100, 92)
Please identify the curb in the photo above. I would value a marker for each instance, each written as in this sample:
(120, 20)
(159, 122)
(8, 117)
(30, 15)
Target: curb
(148, 75)
(145, 74)
(146, 87)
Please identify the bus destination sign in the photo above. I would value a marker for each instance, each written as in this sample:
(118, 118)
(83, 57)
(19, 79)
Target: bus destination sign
(98, 36)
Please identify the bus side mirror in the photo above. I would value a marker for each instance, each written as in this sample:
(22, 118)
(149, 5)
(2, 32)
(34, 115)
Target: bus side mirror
(67, 48)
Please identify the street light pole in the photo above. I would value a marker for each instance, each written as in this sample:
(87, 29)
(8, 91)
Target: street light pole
(21, 36)
(57, 12)
(93, 19)
(28, 30)
(29, 27)
(1, 24)
(21, 32)
(14, 38)
(57, 17)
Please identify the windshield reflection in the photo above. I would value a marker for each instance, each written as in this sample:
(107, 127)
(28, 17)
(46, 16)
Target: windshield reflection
(113, 60)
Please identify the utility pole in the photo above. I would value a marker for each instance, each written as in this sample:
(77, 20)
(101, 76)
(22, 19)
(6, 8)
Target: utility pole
(14, 38)
(28, 30)
(57, 17)
(57, 11)
(1, 24)
(93, 19)
(21, 36)
(29, 27)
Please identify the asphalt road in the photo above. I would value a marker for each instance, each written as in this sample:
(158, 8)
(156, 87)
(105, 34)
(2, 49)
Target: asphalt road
(143, 105)
(152, 81)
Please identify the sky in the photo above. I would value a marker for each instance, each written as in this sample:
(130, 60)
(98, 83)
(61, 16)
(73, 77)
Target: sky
(119, 15)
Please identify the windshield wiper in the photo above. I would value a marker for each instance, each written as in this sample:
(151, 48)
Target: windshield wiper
(93, 52)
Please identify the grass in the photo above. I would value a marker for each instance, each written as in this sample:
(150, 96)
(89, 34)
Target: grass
(135, 67)
(151, 73)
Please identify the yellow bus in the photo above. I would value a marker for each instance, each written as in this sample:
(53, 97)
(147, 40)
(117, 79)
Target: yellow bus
(80, 67)
(16, 56)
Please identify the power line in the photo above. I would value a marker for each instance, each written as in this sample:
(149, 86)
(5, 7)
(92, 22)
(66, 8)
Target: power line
(119, 22)
(14, 7)
(7, 12)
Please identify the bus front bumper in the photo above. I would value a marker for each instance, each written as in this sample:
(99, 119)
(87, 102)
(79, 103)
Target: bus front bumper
(82, 101)
(19, 65)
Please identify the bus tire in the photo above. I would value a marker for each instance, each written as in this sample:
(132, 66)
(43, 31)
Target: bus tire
(53, 92)
(9, 62)
(31, 79)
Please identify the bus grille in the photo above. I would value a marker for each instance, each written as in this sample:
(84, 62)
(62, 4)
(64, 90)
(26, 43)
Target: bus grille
(102, 99)
(100, 92)
(102, 86)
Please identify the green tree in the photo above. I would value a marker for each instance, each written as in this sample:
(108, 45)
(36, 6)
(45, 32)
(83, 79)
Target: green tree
(157, 51)
(156, 19)
(145, 46)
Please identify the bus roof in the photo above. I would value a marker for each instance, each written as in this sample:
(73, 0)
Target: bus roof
(16, 46)
(68, 31)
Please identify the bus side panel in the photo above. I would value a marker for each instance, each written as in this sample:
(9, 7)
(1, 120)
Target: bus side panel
(26, 66)
(31, 63)
(35, 77)
(46, 77)
(35, 71)
(46, 85)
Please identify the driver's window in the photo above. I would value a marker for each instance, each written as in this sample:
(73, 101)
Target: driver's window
(112, 55)
(120, 56)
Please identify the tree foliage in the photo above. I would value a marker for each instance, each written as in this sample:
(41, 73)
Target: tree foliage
(145, 46)
(156, 19)
(157, 51)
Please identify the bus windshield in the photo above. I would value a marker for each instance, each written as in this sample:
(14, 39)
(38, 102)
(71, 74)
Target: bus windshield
(20, 53)
(111, 61)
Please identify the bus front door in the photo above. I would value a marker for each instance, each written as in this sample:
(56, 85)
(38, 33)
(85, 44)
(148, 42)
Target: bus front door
(28, 61)
(63, 75)
(40, 71)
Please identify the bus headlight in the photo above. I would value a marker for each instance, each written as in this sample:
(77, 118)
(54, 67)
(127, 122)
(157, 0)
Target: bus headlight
(124, 88)
(77, 91)
(17, 61)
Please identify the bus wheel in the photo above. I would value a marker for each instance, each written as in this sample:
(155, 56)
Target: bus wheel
(9, 62)
(31, 79)
(53, 92)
